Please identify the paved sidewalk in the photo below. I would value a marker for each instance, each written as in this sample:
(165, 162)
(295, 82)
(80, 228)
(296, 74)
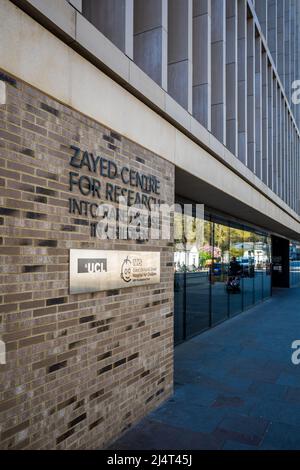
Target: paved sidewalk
(235, 386)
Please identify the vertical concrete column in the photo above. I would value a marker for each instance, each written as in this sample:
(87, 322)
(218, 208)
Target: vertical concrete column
(114, 18)
(290, 143)
(284, 156)
(292, 170)
(251, 93)
(231, 77)
(290, 162)
(297, 186)
(272, 28)
(293, 38)
(291, 165)
(180, 39)
(283, 149)
(296, 196)
(275, 135)
(280, 162)
(202, 62)
(258, 105)
(289, 180)
(261, 8)
(218, 66)
(287, 47)
(265, 117)
(2, 92)
(293, 47)
(151, 39)
(280, 39)
(295, 170)
(270, 126)
(242, 80)
(296, 175)
(128, 33)
(297, 111)
(279, 143)
(297, 191)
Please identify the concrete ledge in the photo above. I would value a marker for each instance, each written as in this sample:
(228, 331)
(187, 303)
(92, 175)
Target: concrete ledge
(177, 112)
(146, 86)
(56, 13)
(93, 41)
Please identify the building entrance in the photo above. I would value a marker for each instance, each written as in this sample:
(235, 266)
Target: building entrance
(224, 273)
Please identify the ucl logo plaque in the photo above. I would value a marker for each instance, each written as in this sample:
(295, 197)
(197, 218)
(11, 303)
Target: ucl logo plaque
(86, 265)
(98, 270)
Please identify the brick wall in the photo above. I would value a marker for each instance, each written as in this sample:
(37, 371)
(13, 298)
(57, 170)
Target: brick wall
(80, 369)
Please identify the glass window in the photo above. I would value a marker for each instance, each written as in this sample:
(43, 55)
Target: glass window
(179, 280)
(247, 262)
(266, 265)
(219, 273)
(235, 281)
(259, 261)
(199, 255)
(294, 263)
(192, 259)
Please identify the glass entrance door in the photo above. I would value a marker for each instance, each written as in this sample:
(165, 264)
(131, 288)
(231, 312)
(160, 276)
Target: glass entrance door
(192, 265)
(203, 270)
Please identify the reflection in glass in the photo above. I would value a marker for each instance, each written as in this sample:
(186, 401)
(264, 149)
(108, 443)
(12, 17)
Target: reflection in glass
(205, 267)
(179, 280)
(267, 283)
(236, 271)
(259, 261)
(199, 253)
(191, 279)
(219, 273)
(247, 262)
(294, 263)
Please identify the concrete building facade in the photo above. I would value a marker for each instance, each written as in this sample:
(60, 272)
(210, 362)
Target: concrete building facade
(200, 95)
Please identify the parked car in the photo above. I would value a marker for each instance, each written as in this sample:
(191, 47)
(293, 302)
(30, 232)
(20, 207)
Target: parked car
(219, 272)
(217, 269)
(247, 265)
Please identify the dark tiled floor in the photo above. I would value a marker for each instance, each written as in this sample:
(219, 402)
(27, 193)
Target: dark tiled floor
(235, 386)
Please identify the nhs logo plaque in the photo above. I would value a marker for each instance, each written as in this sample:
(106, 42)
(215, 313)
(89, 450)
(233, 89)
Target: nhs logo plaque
(97, 270)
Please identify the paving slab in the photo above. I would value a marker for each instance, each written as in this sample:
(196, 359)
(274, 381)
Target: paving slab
(235, 386)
